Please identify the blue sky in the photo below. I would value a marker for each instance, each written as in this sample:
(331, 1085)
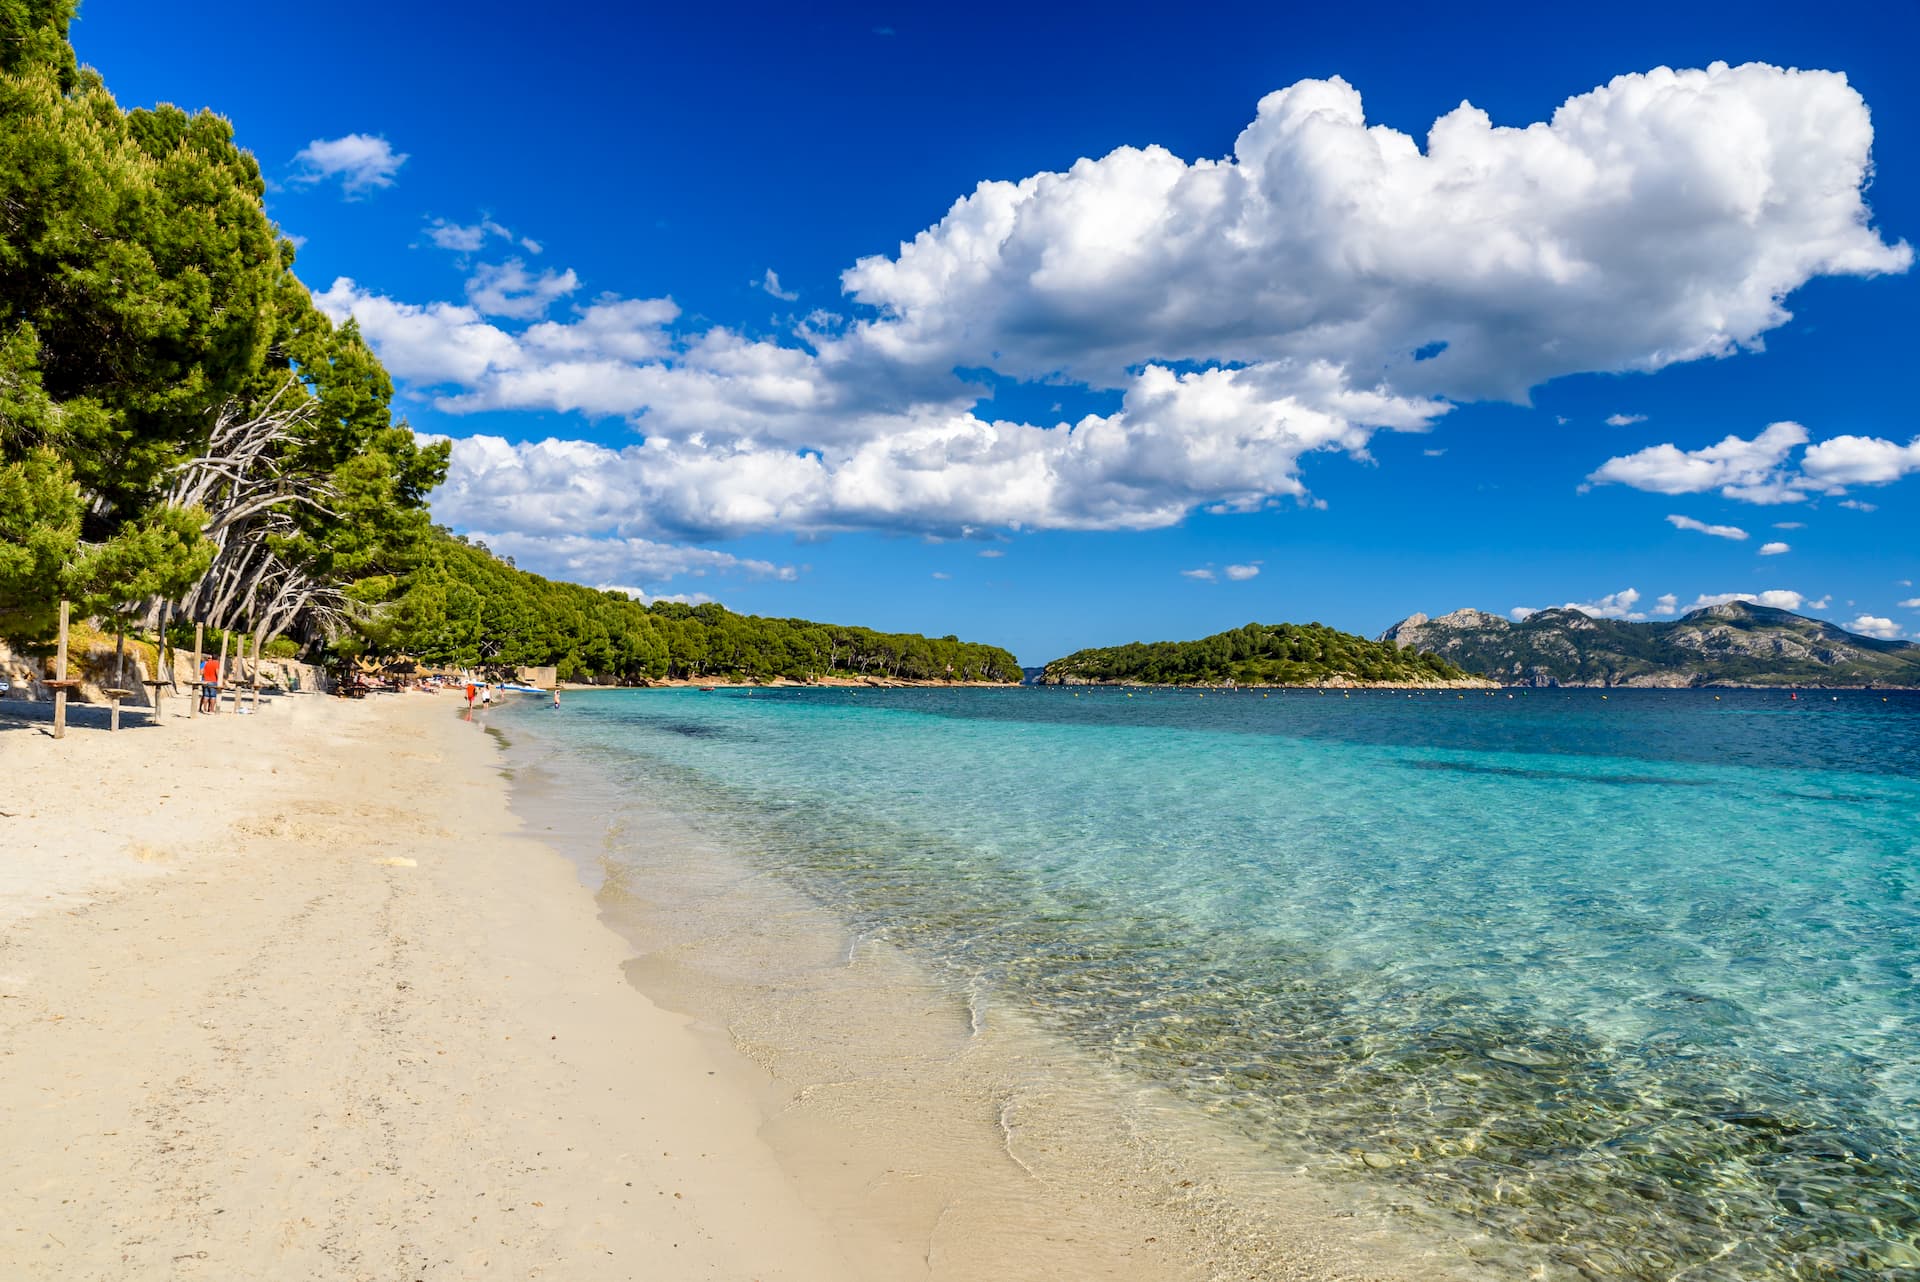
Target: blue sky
(1315, 371)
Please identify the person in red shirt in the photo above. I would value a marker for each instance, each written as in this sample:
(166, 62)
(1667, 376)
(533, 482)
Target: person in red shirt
(471, 692)
(210, 685)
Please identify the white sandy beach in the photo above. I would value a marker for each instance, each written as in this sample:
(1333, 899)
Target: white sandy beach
(291, 996)
(278, 998)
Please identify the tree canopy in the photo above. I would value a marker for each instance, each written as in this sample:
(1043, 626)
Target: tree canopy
(1257, 654)
(148, 308)
(463, 607)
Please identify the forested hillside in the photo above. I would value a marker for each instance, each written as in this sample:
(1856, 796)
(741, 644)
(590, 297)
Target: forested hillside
(464, 607)
(1257, 654)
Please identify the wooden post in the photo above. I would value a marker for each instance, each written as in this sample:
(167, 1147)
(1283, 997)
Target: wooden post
(60, 675)
(255, 700)
(199, 637)
(160, 665)
(220, 685)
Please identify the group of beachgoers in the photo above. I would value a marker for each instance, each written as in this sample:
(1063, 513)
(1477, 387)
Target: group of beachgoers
(483, 692)
(478, 693)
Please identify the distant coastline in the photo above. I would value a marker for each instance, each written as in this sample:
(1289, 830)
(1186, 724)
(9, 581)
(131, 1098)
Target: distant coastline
(736, 682)
(1328, 683)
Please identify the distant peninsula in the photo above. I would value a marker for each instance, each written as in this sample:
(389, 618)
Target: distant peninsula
(1259, 654)
(1734, 644)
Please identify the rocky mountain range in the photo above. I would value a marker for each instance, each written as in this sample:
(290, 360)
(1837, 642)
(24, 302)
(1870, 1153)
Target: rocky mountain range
(1735, 644)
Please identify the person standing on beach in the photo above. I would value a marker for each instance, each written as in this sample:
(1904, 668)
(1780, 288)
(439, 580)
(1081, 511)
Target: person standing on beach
(210, 685)
(556, 698)
(470, 693)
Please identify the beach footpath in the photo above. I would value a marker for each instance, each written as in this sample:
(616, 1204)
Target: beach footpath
(287, 996)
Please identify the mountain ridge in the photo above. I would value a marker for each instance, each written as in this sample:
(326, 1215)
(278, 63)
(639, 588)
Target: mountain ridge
(1734, 643)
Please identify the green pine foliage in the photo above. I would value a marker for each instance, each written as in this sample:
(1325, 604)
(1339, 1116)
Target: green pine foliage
(143, 292)
(1257, 654)
(463, 607)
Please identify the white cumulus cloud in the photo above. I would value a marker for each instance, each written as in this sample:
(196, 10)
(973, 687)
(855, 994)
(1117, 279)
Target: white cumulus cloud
(1666, 603)
(622, 560)
(1774, 598)
(1614, 605)
(1870, 625)
(1659, 218)
(770, 284)
(1717, 531)
(1240, 573)
(1860, 460)
(1774, 549)
(509, 289)
(1202, 574)
(469, 238)
(1759, 470)
(1625, 420)
(359, 161)
(1250, 312)
(1751, 470)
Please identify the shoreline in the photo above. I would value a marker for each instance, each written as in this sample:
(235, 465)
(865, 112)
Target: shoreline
(940, 1125)
(323, 1002)
(783, 683)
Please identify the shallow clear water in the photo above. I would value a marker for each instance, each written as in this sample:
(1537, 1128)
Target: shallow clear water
(1633, 982)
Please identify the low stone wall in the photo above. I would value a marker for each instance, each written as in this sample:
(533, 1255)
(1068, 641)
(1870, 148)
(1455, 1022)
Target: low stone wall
(93, 663)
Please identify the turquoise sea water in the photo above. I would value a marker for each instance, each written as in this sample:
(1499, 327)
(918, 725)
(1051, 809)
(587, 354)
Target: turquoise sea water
(1632, 982)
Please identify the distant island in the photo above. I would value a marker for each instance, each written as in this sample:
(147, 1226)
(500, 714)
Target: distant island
(1735, 644)
(1259, 654)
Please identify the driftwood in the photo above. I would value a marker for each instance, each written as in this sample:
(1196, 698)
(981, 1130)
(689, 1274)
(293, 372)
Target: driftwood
(252, 498)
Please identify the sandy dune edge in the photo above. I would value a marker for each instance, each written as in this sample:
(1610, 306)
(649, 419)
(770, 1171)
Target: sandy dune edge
(282, 996)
